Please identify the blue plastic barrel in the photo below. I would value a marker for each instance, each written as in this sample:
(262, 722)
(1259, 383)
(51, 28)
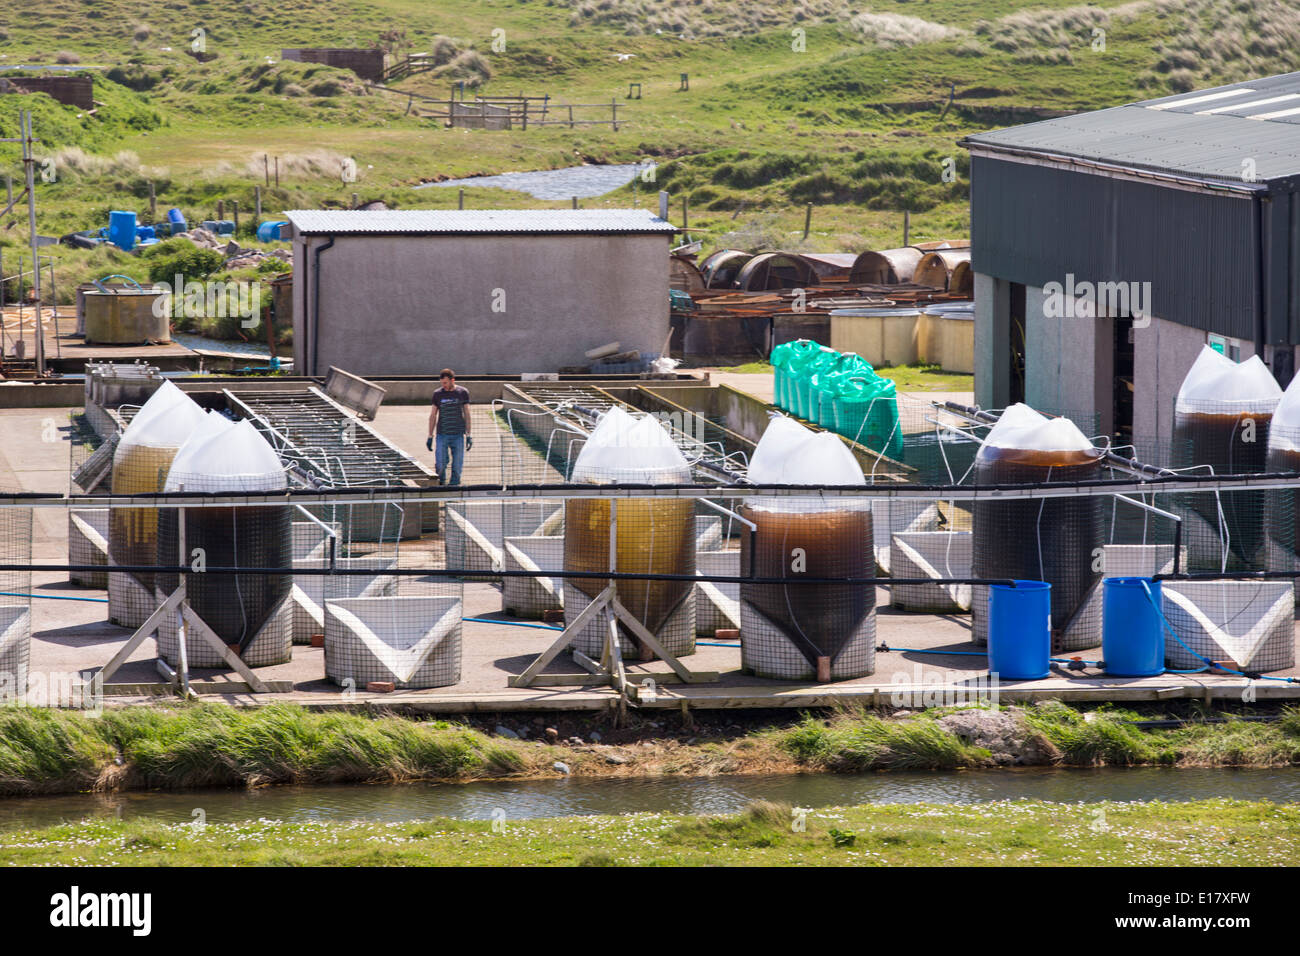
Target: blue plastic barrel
(270, 231)
(177, 219)
(1020, 630)
(121, 229)
(1132, 634)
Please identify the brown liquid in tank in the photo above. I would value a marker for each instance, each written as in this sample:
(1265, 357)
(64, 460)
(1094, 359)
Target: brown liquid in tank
(1218, 439)
(654, 536)
(1049, 539)
(835, 544)
(1283, 508)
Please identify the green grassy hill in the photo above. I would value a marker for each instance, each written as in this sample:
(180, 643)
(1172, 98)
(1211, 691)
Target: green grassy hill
(814, 101)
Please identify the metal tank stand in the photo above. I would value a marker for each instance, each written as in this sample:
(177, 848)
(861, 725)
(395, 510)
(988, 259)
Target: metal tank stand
(185, 619)
(609, 669)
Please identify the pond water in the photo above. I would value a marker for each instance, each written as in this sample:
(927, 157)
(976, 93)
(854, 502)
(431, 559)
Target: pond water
(251, 349)
(577, 796)
(581, 181)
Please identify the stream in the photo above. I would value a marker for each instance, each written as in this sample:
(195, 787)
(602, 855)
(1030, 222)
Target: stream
(577, 796)
(580, 181)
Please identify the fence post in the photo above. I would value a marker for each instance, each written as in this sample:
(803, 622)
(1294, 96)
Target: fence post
(613, 109)
(153, 203)
(460, 200)
(807, 220)
(234, 210)
(257, 206)
(266, 168)
(570, 117)
(907, 227)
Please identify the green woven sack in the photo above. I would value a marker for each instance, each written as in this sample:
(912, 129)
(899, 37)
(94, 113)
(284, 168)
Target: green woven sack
(866, 410)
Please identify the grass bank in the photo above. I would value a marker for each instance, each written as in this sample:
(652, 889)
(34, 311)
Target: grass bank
(213, 745)
(1203, 833)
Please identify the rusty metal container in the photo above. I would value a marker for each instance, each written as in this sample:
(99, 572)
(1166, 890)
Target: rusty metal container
(126, 317)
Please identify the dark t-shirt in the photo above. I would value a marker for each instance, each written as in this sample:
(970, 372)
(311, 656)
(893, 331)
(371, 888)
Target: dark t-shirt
(451, 409)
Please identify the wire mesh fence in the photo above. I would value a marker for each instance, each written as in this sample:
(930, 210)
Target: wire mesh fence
(15, 603)
(794, 582)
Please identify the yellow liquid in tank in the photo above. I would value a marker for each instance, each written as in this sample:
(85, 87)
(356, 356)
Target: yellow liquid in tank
(654, 536)
(133, 532)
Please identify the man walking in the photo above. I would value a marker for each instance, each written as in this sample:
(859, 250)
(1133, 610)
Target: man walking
(449, 422)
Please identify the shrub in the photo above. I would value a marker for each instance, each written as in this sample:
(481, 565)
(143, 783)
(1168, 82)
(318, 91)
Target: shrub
(192, 263)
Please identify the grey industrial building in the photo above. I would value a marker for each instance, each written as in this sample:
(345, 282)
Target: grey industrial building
(1194, 194)
(483, 291)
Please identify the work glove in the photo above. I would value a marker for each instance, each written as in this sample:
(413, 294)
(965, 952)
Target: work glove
(428, 443)
(469, 443)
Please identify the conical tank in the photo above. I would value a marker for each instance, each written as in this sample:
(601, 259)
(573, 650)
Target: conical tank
(236, 460)
(141, 461)
(168, 554)
(652, 535)
(795, 538)
(1048, 539)
(1222, 420)
(1282, 506)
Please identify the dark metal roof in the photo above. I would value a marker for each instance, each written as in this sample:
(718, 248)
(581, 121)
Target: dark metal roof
(1227, 134)
(477, 221)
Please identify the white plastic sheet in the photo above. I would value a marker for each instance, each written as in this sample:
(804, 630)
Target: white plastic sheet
(1215, 382)
(166, 420)
(1023, 428)
(629, 448)
(236, 459)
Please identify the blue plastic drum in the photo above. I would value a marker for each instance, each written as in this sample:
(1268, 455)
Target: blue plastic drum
(1132, 635)
(1020, 630)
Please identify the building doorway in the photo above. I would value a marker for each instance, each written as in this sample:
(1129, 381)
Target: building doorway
(1122, 409)
(1016, 340)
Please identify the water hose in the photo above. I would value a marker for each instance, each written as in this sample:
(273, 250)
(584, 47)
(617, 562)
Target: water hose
(493, 620)
(1056, 660)
(99, 283)
(1250, 675)
(53, 597)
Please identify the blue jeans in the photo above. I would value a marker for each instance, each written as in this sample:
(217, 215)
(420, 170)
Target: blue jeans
(442, 445)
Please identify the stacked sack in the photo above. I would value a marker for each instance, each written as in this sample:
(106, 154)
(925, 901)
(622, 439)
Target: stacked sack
(839, 391)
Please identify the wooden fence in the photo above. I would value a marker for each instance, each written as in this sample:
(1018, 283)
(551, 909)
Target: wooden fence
(510, 112)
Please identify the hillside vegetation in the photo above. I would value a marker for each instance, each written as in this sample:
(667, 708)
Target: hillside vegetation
(857, 110)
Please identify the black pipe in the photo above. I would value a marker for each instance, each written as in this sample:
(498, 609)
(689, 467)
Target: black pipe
(1183, 722)
(315, 304)
(485, 573)
(1131, 464)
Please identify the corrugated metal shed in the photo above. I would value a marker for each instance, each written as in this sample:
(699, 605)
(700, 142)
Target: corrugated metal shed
(433, 222)
(1036, 224)
(1241, 133)
(1194, 193)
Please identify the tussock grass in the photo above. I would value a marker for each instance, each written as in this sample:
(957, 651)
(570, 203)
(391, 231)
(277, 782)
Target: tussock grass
(74, 162)
(854, 742)
(762, 824)
(1100, 738)
(41, 751)
(212, 745)
(716, 18)
(890, 30)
